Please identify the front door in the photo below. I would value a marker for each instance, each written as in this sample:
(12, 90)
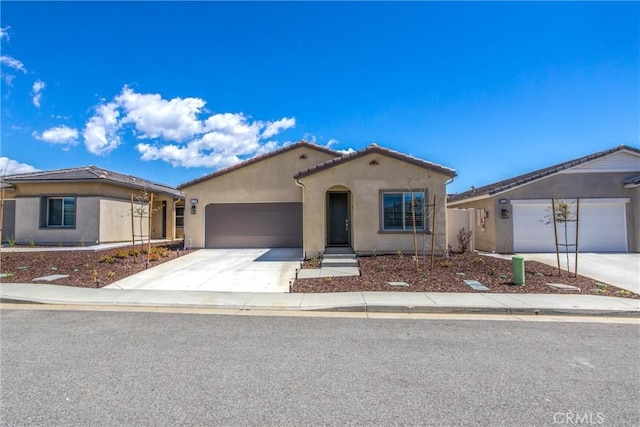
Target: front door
(338, 219)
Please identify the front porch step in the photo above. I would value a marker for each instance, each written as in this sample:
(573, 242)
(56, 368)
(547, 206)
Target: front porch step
(339, 250)
(340, 260)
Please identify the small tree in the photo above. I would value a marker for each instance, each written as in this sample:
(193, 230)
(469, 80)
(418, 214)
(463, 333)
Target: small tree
(142, 209)
(561, 212)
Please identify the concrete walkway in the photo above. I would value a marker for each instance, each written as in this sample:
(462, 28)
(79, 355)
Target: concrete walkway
(390, 302)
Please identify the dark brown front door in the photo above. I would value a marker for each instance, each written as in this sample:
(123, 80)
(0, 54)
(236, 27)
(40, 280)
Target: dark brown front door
(338, 219)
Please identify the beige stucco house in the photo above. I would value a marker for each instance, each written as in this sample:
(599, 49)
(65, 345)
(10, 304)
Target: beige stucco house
(308, 196)
(603, 188)
(87, 205)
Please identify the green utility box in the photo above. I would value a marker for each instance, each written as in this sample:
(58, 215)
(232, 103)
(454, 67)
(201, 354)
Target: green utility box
(517, 268)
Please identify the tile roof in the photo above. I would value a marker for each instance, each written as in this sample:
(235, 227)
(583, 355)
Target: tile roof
(373, 148)
(88, 174)
(258, 159)
(510, 183)
(634, 180)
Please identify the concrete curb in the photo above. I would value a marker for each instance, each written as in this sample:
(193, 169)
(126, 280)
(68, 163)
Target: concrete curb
(355, 302)
(357, 308)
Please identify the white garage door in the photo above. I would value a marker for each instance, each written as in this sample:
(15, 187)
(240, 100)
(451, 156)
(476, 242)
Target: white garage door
(602, 225)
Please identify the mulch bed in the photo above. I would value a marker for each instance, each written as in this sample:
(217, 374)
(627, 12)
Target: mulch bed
(86, 268)
(448, 276)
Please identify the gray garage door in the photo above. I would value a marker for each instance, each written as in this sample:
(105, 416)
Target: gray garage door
(253, 225)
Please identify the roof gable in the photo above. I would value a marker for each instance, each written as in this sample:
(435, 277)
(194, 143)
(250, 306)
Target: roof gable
(620, 161)
(89, 174)
(253, 160)
(373, 148)
(566, 167)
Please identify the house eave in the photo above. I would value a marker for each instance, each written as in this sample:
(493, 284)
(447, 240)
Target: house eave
(96, 181)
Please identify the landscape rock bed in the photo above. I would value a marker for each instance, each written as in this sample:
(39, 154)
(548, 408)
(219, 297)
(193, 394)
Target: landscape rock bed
(448, 275)
(86, 268)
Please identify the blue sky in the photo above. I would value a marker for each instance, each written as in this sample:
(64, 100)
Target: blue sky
(170, 91)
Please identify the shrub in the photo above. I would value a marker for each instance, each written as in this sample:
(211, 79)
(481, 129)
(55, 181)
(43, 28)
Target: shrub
(134, 252)
(162, 251)
(153, 256)
(464, 239)
(107, 259)
(121, 254)
(478, 260)
(446, 264)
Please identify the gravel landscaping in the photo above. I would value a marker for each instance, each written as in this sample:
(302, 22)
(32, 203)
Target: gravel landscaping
(92, 269)
(448, 275)
(100, 268)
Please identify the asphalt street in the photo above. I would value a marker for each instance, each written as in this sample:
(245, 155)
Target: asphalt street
(92, 368)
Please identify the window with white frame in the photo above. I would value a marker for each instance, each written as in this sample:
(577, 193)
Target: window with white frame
(61, 212)
(399, 209)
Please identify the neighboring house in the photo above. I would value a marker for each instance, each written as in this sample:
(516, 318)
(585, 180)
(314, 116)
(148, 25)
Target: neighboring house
(85, 206)
(513, 215)
(308, 196)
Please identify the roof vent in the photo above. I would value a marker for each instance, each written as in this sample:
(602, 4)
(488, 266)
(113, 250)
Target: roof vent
(373, 144)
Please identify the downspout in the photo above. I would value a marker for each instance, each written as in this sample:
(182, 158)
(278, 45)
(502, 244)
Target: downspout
(301, 185)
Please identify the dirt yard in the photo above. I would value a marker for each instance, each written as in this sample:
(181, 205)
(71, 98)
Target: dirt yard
(92, 269)
(448, 275)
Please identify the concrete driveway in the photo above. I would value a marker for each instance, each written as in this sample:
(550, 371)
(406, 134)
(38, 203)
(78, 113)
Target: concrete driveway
(618, 269)
(221, 270)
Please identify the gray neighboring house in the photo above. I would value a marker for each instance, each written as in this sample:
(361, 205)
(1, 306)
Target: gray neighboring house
(512, 215)
(85, 205)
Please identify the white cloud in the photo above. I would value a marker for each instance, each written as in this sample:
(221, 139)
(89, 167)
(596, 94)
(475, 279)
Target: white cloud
(154, 117)
(181, 136)
(190, 155)
(347, 151)
(12, 63)
(309, 138)
(101, 131)
(62, 135)
(37, 88)
(10, 167)
(276, 127)
(332, 142)
(4, 33)
(8, 78)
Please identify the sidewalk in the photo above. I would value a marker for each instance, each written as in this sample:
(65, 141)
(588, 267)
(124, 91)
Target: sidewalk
(389, 302)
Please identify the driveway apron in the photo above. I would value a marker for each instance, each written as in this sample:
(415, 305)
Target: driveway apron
(618, 269)
(221, 270)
